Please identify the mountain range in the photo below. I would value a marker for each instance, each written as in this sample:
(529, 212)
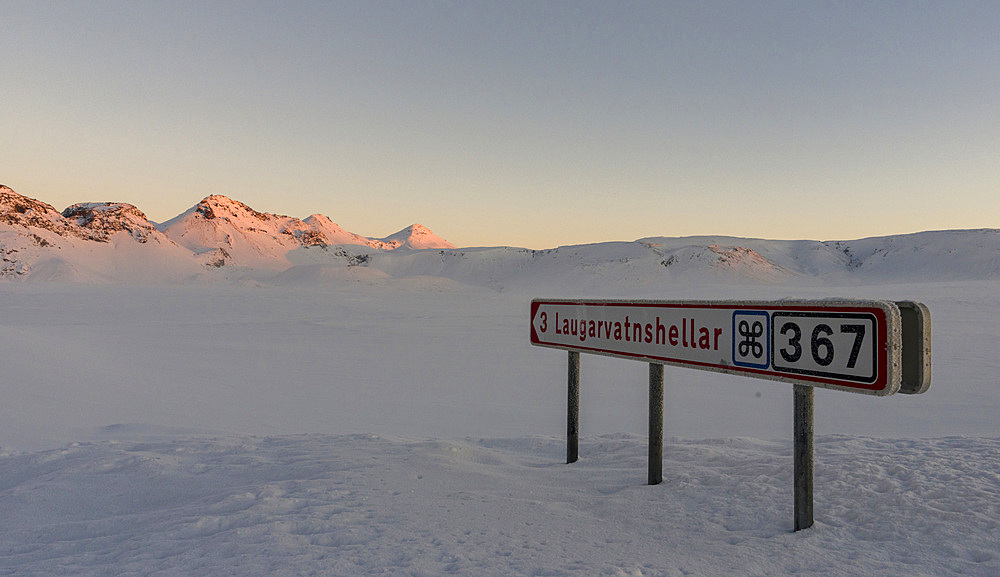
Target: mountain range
(114, 241)
(224, 239)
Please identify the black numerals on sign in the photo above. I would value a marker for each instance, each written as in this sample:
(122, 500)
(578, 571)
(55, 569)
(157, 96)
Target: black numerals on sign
(818, 341)
(859, 337)
(839, 345)
(796, 351)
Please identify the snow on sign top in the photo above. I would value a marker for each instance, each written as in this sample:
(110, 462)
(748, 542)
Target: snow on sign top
(851, 345)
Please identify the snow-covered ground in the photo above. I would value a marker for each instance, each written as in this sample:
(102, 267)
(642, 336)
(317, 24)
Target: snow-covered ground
(372, 505)
(404, 426)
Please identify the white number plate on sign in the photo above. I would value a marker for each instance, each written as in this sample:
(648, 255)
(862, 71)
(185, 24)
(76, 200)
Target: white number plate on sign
(849, 345)
(826, 344)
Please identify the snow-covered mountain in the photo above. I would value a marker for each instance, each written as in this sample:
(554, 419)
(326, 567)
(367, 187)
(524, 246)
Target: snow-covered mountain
(108, 241)
(646, 264)
(229, 232)
(415, 236)
(22, 212)
(221, 238)
(104, 219)
(225, 232)
(90, 242)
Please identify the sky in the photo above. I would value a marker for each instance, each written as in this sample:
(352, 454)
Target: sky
(532, 124)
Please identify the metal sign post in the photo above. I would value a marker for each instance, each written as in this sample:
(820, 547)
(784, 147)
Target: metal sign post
(655, 476)
(863, 346)
(803, 457)
(573, 409)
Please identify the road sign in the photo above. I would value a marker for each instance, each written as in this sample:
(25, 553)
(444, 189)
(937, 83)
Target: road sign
(871, 347)
(851, 345)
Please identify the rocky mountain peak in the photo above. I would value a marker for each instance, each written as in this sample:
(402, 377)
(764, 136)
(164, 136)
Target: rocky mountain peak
(219, 206)
(19, 210)
(16, 204)
(107, 218)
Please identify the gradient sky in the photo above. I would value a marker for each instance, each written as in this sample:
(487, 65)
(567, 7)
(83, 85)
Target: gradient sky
(532, 124)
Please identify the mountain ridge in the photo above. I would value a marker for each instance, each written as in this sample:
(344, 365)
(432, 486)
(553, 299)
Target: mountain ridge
(223, 239)
(39, 241)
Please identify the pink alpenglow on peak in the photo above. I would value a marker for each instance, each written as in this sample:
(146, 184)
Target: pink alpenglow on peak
(107, 218)
(108, 241)
(333, 233)
(417, 237)
(228, 229)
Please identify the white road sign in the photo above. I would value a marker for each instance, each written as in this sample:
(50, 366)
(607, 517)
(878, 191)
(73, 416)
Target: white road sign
(848, 345)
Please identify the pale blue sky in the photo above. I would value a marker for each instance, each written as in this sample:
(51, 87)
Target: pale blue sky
(515, 123)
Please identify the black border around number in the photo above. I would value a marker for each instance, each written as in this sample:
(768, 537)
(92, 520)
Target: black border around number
(821, 315)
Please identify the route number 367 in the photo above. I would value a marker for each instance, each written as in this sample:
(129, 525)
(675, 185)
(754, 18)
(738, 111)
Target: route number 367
(825, 344)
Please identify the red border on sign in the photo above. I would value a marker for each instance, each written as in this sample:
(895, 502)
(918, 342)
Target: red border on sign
(881, 349)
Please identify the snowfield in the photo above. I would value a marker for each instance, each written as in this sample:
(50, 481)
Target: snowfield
(371, 425)
(369, 505)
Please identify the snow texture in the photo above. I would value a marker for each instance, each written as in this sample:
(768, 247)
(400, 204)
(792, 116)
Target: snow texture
(370, 505)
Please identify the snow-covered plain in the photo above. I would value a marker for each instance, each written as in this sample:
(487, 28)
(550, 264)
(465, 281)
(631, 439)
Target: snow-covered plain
(404, 426)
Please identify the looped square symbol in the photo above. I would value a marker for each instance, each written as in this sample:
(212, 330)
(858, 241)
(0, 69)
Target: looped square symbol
(750, 344)
(751, 339)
